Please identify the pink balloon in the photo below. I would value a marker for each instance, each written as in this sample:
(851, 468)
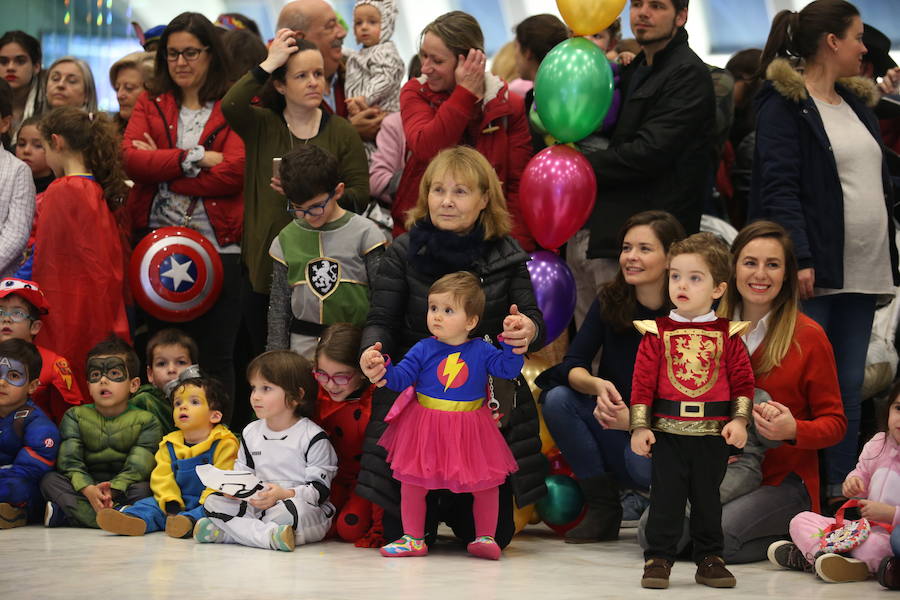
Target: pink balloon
(556, 194)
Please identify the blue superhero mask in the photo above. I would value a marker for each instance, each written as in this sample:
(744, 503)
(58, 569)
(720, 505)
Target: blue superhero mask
(13, 372)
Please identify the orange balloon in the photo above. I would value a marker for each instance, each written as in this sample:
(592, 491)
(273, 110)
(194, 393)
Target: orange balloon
(523, 516)
(586, 17)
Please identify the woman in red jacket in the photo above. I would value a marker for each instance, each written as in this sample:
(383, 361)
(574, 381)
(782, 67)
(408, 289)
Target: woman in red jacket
(188, 170)
(793, 362)
(455, 103)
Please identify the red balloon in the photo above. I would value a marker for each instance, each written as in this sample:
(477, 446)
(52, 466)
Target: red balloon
(556, 194)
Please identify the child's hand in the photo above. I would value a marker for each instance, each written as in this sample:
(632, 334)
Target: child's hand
(268, 497)
(641, 441)
(281, 48)
(853, 487)
(767, 410)
(356, 104)
(625, 58)
(95, 496)
(877, 511)
(372, 364)
(735, 432)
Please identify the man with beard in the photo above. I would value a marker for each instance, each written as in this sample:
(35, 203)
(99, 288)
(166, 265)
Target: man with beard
(317, 22)
(659, 155)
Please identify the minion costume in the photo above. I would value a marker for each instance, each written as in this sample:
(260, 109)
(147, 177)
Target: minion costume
(176, 487)
(690, 379)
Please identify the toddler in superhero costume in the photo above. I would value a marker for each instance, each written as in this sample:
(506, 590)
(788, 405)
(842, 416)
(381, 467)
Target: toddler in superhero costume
(106, 454)
(21, 305)
(442, 436)
(176, 505)
(343, 411)
(29, 441)
(288, 453)
(323, 258)
(169, 353)
(691, 398)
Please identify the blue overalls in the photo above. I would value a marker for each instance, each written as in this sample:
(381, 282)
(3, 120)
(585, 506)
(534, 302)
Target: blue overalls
(191, 487)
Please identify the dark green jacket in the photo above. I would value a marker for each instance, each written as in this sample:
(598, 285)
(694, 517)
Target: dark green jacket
(118, 449)
(266, 136)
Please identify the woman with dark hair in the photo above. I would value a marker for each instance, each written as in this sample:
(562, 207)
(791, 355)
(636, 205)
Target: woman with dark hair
(20, 63)
(738, 159)
(535, 37)
(819, 171)
(291, 82)
(188, 167)
(455, 102)
(601, 457)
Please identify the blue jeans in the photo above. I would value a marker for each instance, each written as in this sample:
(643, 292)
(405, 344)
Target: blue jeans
(847, 320)
(590, 449)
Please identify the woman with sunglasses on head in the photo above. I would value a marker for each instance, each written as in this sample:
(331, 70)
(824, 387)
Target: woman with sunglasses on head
(188, 170)
(291, 83)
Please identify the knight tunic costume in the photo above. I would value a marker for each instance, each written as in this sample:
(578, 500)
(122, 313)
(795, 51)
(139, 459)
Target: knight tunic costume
(327, 274)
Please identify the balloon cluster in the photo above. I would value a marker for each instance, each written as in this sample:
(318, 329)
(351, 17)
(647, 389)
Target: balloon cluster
(573, 90)
(563, 506)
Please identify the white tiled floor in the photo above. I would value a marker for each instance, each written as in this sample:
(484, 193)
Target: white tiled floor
(39, 563)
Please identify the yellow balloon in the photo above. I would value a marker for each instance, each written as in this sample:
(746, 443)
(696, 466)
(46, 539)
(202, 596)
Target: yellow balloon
(533, 367)
(523, 516)
(586, 17)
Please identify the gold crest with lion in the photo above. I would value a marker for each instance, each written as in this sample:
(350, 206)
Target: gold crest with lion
(692, 359)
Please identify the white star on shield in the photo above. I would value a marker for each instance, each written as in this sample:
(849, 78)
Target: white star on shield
(178, 273)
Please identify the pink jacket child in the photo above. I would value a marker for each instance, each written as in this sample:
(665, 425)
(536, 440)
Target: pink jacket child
(878, 472)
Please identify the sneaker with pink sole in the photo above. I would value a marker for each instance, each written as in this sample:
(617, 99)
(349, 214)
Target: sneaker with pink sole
(405, 546)
(484, 547)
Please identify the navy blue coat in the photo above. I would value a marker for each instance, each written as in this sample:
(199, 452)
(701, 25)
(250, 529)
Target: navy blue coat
(795, 178)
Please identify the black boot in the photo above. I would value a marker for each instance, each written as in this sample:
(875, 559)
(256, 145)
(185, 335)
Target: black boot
(604, 512)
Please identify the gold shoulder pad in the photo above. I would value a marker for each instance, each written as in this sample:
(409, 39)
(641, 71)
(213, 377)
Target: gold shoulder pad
(738, 328)
(648, 326)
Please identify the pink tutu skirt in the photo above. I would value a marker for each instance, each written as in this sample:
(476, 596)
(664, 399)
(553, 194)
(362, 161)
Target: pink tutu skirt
(437, 449)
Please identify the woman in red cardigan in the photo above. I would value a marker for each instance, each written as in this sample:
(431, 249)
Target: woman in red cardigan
(793, 362)
(455, 103)
(188, 170)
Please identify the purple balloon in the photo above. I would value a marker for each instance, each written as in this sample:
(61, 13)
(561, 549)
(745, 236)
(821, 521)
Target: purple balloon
(554, 288)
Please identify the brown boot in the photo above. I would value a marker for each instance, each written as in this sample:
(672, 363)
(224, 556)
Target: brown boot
(711, 571)
(656, 574)
(113, 521)
(604, 512)
(179, 526)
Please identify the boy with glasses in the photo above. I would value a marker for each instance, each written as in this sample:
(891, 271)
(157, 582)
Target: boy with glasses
(324, 258)
(21, 305)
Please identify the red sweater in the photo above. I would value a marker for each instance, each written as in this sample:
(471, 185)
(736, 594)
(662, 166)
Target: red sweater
(220, 187)
(433, 121)
(806, 382)
(58, 390)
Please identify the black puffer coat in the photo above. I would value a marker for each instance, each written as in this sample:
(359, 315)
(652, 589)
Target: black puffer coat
(397, 320)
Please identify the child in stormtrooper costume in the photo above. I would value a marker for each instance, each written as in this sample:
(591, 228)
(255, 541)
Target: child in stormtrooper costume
(299, 458)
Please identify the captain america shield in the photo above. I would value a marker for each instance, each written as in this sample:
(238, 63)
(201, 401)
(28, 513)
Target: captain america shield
(176, 274)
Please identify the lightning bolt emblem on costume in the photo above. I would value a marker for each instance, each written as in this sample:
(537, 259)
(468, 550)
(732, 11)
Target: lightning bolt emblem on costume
(452, 367)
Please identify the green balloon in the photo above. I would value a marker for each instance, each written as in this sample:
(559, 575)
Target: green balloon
(563, 502)
(573, 89)
(535, 119)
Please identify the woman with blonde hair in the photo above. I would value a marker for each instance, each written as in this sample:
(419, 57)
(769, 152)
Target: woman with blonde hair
(129, 77)
(459, 223)
(70, 82)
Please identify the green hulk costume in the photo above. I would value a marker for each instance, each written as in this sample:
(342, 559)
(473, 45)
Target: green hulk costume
(154, 401)
(96, 449)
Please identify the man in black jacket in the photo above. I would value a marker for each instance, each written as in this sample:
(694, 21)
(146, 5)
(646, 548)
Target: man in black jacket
(659, 156)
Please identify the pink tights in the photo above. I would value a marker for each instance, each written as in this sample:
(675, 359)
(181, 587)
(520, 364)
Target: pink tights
(412, 510)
